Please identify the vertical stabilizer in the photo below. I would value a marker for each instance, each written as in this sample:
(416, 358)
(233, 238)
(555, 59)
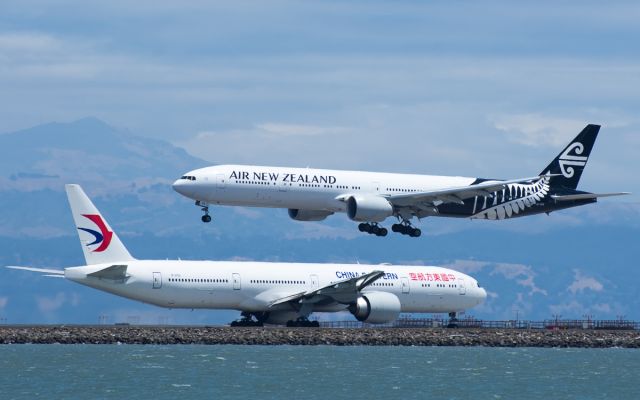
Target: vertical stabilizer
(99, 243)
(570, 163)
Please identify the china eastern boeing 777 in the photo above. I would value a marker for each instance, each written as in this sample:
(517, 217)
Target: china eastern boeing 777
(264, 292)
(371, 197)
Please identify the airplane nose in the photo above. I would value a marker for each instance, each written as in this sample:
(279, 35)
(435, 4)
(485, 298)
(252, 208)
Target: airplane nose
(483, 294)
(180, 186)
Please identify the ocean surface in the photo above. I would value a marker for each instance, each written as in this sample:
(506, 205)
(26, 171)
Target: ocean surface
(321, 372)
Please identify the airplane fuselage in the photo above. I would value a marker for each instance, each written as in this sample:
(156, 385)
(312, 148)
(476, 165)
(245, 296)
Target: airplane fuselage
(252, 286)
(326, 190)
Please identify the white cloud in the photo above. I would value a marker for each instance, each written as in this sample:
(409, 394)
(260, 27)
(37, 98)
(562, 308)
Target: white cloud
(321, 230)
(602, 308)
(31, 42)
(538, 130)
(3, 302)
(582, 282)
(51, 304)
(522, 274)
(283, 129)
(467, 266)
(572, 309)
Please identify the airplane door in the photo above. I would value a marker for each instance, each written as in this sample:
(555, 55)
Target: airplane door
(314, 282)
(157, 280)
(220, 181)
(236, 281)
(461, 287)
(405, 285)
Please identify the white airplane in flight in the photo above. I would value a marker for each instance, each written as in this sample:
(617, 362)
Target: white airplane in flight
(274, 293)
(371, 197)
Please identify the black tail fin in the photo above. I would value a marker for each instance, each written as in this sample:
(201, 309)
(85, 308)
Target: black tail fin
(568, 165)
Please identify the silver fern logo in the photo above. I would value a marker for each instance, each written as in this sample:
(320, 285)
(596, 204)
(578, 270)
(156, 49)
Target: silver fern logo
(568, 160)
(511, 200)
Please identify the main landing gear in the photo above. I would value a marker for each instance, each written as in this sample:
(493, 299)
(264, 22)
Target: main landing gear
(453, 321)
(205, 208)
(302, 322)
(247, 320)
(373, 228)
(406, 229)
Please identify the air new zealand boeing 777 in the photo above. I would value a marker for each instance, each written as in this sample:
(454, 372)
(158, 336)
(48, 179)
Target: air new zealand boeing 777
(371, 197)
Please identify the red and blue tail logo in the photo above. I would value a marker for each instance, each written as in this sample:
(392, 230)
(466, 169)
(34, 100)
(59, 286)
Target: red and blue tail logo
(103, 238)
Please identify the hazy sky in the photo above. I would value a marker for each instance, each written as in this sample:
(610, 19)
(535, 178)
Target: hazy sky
(469, 88)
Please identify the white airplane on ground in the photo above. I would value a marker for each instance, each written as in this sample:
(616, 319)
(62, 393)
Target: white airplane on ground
(371, 197)
(276, 293)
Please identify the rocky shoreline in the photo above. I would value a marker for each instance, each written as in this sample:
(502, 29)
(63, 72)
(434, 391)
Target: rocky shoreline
(318, 336)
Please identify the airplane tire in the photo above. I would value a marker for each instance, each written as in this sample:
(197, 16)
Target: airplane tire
(315, 324)
(206, 218)
(416, 232)
(396, 228)
(362, 227)
(382, 232)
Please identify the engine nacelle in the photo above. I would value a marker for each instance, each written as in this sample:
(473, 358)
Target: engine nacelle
(368, 209)
(308, 215)
(376, 307)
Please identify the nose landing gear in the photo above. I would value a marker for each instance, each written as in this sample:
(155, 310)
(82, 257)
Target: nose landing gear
(453, 320)
(373, 228)
(205, 208)
(247, 320)
(406, 228)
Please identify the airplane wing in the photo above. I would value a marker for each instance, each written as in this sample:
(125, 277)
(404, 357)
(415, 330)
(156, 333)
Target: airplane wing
(585, 196)
(51, 273)
(343, 292)
(456, 194)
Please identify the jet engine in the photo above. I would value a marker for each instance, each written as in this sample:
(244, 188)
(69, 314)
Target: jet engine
(368, 209)
(376, 307)
(308, 215)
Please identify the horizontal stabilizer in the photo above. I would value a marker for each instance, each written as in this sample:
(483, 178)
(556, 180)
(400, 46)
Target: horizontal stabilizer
(49, 272)
(114, 272)
(585, 196)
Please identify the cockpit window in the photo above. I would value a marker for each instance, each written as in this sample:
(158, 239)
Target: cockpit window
(188, 177)
(478, 283)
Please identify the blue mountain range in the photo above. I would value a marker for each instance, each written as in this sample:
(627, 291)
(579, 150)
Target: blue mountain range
(574, 263)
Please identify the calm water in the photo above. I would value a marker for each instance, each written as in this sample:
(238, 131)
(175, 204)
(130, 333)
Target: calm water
(266, 372)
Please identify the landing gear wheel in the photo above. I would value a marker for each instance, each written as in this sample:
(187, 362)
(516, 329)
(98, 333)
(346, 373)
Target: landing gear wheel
(405, 228)
(453, 321)
(373, 228)
(205, 209)
(246, 320)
